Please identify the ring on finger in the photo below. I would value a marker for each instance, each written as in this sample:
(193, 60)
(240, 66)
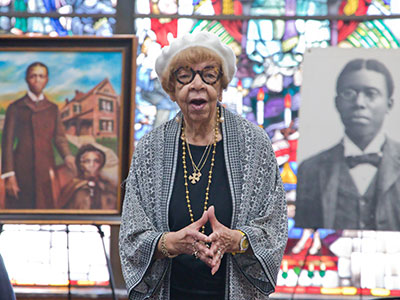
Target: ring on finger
(219, 253)
(194, 246)
(196, 254)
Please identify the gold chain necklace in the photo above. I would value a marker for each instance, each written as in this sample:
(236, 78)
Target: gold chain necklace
(195, 177)
(209, 173)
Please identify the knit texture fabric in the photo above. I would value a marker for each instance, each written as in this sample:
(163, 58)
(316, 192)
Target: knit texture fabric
(259, 210)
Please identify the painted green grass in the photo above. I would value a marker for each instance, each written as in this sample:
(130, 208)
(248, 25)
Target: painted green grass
(111, 143)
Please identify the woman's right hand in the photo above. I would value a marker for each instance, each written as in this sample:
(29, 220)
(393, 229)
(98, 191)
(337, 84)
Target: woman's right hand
(189, 240)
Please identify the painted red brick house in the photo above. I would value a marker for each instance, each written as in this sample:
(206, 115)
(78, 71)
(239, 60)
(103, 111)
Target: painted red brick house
(93, 113)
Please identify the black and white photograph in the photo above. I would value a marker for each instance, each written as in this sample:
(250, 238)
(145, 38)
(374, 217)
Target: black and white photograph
(349, 150)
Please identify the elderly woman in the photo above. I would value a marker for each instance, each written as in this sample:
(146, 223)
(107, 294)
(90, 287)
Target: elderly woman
(204, 215)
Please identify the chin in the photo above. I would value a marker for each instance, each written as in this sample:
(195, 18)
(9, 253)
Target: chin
(199, 115)
(358, 123)
(361, 130)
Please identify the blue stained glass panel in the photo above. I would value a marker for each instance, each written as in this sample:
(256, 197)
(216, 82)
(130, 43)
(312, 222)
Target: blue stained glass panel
(60, 26)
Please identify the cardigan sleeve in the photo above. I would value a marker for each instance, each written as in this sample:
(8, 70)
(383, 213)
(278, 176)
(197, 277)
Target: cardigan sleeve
(262, 216)
(137, 242)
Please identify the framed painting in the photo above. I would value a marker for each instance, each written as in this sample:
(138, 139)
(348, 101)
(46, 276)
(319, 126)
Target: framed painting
(66, 127)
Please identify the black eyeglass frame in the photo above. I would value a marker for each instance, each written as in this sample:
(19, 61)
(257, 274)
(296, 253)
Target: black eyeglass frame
(200, 72)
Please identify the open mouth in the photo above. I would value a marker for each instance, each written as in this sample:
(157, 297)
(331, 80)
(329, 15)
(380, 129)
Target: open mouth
(198, 103)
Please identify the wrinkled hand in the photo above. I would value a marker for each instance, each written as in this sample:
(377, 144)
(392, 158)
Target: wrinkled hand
(223, 240)
(189, 240)
(11, 186)
(70, 162)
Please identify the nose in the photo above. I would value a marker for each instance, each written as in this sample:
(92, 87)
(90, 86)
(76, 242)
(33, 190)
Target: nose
(360, 99)
(197, 82)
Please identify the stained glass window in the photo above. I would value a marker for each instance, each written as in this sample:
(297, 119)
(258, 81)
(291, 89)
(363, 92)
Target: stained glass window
(50, 255)
(266, 90)
(269, 38)
(37, 255)
(59, 26)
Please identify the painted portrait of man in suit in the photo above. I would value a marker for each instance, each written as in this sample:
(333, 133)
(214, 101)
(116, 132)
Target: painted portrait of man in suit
(32, 124)
(355, 183)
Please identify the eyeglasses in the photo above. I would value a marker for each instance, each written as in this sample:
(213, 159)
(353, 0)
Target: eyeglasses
(209, 75)
(352, 94)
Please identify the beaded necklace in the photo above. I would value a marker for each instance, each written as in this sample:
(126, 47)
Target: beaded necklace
(184, 145)
(195, 177)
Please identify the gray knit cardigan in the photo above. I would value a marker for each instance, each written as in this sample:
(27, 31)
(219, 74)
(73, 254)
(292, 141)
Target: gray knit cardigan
(259, 210)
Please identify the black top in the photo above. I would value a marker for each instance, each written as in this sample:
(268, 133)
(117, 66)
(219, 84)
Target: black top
(191, 275)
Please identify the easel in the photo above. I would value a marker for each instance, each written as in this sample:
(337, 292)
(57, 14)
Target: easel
(109, 268)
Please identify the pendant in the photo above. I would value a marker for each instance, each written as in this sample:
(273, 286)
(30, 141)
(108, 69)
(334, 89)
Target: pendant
(195, 177)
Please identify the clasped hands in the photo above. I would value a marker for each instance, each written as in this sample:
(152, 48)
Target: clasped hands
(210, 249)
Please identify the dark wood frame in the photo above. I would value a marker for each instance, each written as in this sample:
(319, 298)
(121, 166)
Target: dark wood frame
(127, 45)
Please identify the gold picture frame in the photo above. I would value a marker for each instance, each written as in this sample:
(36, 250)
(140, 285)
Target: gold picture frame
(67, 127)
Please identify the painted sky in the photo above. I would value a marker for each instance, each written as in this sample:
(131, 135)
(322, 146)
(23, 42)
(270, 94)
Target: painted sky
(69, 71)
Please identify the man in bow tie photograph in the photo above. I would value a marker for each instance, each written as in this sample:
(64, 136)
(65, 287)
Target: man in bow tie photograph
(354, 184)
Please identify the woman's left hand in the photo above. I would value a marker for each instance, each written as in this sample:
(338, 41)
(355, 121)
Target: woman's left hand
(223, 240)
